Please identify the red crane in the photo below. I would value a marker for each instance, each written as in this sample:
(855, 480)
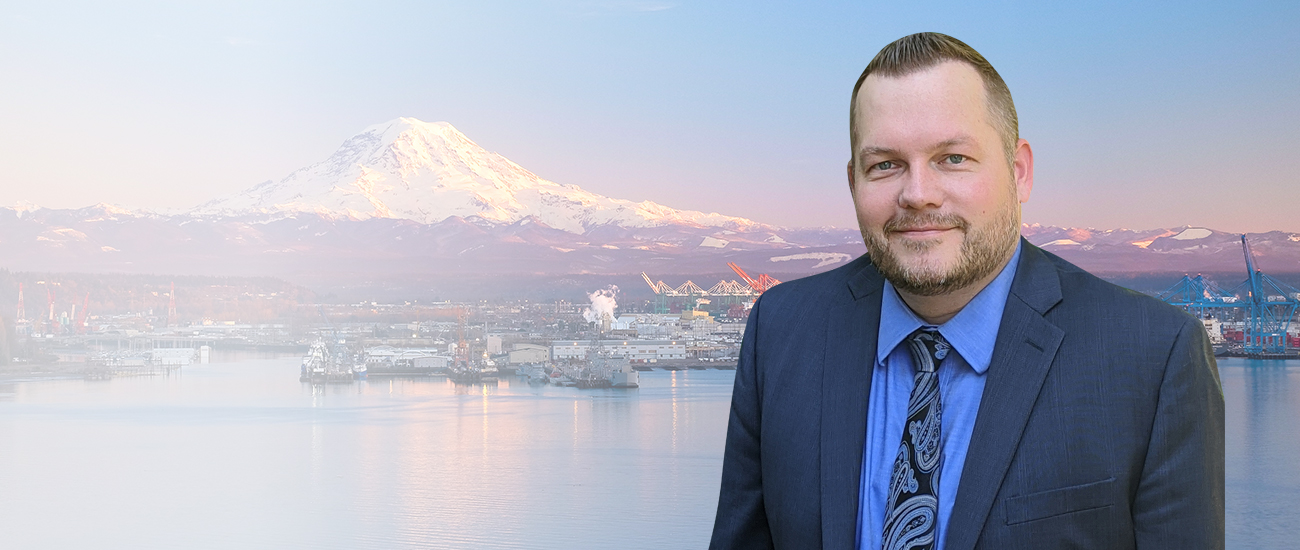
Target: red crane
(462, 347)
(49, 291)
(171, 306)
(81, 319)
(760, 285)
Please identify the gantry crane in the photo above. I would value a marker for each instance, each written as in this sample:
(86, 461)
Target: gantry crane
(1270, 305)
(760, 285)
(1267, 305)
(690, 293)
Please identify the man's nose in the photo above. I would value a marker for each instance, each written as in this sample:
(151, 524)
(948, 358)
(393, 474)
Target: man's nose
(922, 189)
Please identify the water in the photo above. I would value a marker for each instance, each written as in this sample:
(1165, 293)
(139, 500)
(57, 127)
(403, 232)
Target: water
(1262, 452)
(242, 455)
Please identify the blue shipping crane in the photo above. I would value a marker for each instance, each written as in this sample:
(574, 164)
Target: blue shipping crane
(1270, 305)
(1267, 304)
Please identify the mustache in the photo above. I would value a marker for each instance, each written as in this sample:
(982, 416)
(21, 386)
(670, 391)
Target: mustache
(910, 221)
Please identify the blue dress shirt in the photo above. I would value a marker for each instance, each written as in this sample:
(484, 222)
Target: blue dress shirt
(972, 333)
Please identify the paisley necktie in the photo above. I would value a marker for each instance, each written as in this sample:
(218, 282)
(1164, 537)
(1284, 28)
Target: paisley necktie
(912, 509)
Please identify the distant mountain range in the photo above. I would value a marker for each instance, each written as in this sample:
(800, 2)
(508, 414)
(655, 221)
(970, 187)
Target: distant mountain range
(409, 198)
(1180, 249)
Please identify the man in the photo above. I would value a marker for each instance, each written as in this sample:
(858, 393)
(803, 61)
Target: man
(957, 387)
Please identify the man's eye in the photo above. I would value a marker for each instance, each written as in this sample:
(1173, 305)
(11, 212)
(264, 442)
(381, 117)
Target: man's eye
(886, 165)
(956, 159)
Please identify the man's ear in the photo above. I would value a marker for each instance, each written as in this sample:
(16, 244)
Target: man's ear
(1023, 170)
(851, 177)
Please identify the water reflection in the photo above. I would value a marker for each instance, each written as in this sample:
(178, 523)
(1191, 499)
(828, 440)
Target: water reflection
(1263, 477)
(388, 463)
(406, 463)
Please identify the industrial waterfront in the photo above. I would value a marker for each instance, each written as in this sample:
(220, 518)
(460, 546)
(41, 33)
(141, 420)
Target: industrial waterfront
(140, 326)
(489, 424)
(591, 343)
(238, 453)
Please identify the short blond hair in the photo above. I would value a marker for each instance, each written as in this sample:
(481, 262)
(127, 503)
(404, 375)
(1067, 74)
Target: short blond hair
(920, 51)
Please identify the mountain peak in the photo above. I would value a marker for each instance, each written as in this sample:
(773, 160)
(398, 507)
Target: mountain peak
(403, 124)
(429, 171)
(413, 130)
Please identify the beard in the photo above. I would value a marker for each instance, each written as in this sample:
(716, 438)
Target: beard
(983, 249)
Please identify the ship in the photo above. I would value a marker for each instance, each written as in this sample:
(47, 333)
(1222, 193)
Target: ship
(536, 373)
(488, 371)
(600, 369)
(326, 364)
(624, 377)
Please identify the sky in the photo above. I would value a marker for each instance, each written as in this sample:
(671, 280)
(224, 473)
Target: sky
(1140, 116)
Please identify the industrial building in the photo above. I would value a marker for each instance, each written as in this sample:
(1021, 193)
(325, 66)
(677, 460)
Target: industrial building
(636, 351)
(529, 353)
(379, 357)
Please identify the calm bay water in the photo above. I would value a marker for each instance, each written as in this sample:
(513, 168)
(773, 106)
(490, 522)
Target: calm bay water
(1263, 452)
(242, 455)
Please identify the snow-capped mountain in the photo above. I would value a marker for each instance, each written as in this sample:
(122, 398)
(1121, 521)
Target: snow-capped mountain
(413, 199)
(428, 172)
(1187, 249)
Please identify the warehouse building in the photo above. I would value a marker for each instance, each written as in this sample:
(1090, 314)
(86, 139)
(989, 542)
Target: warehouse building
(636, 351)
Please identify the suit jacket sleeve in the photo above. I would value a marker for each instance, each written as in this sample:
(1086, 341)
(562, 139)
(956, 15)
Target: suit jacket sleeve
(1179, 502)
(742, 520)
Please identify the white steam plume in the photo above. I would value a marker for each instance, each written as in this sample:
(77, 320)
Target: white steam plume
(602, 304)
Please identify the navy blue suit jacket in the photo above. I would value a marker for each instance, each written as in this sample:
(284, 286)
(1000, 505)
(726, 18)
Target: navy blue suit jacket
(1101, 424)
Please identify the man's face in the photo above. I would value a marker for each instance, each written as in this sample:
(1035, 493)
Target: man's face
(936, 200)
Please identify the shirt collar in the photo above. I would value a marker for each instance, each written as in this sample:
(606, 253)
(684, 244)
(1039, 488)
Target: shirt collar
(972, 332)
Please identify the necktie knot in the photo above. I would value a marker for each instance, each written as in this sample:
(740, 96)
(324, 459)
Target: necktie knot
(928, 348)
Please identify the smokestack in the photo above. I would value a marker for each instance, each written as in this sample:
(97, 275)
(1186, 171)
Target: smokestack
(601, 310)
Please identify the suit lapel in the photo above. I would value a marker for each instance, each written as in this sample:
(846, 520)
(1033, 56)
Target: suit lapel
(846, 383)
(1023, 354)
